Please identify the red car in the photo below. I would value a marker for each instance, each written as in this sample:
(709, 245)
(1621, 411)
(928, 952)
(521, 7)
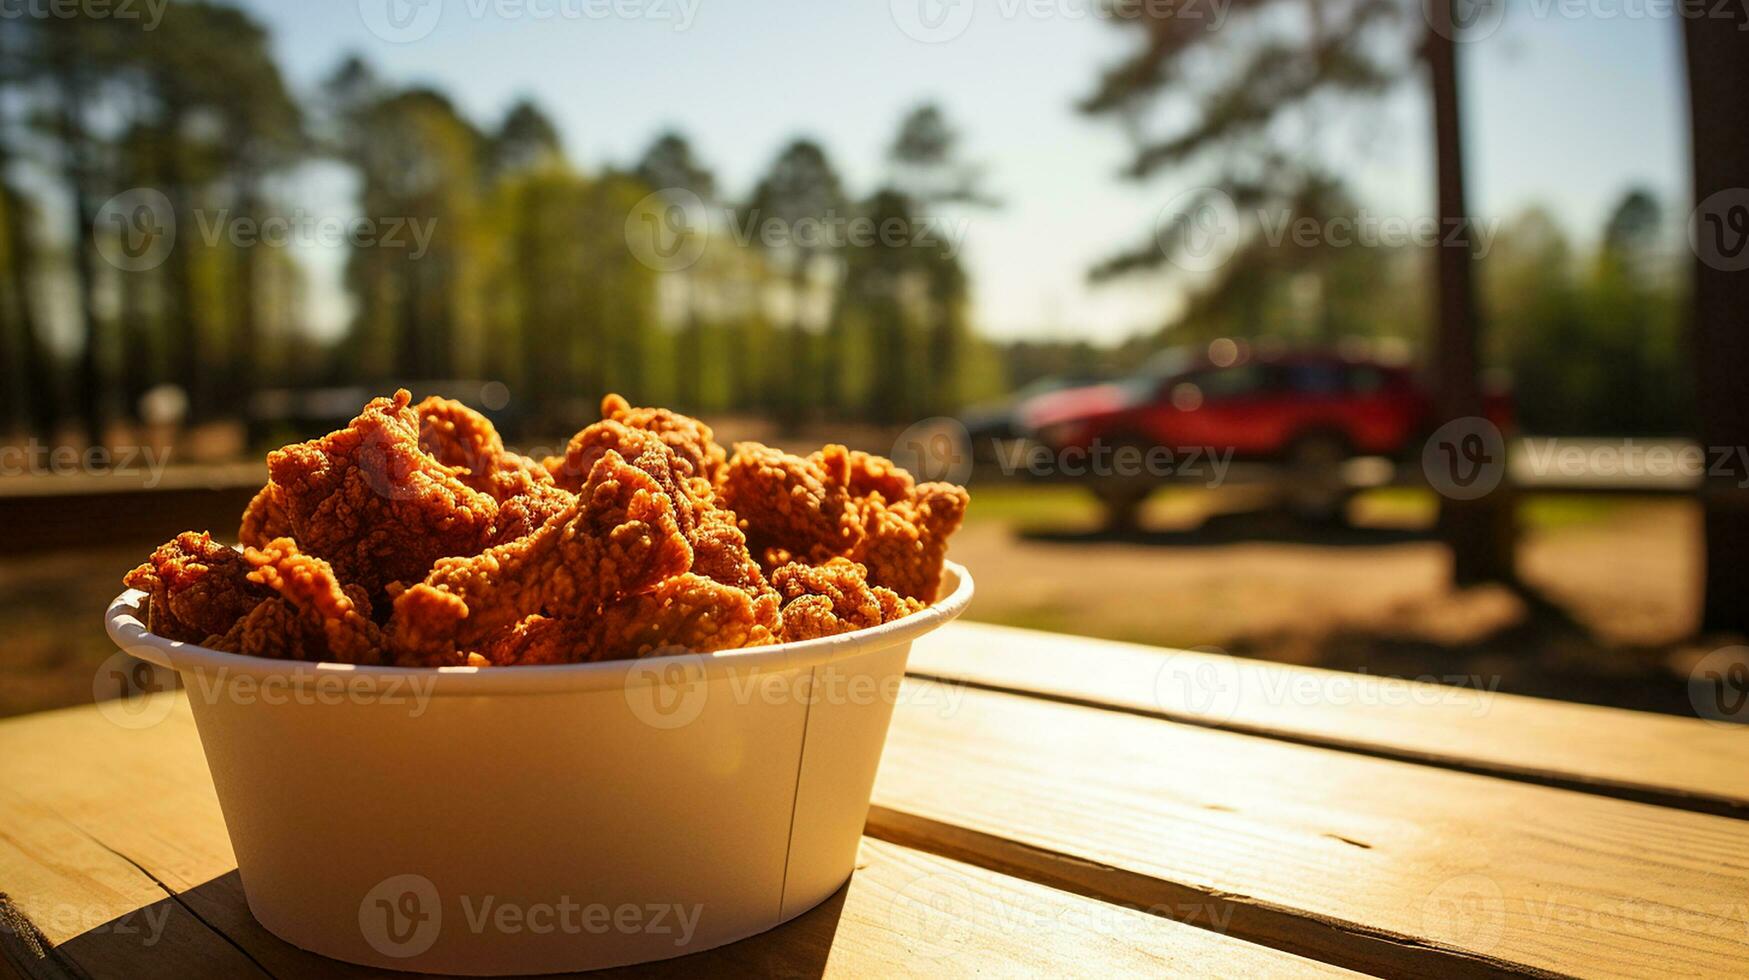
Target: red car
(1309, 412)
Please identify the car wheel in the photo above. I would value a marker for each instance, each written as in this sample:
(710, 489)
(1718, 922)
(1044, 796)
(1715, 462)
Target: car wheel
(1315, 487)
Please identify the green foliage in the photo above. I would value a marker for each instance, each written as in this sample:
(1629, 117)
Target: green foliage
(1592, 341)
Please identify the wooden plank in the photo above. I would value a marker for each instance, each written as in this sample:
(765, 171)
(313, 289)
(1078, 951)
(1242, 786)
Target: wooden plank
(1372, 864)
(1680, 762)
(114, 850)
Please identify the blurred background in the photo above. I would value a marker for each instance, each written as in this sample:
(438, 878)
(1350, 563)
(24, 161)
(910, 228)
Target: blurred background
(1367, 334)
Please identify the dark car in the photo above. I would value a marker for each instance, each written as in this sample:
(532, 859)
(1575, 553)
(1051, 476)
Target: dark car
(990, 424)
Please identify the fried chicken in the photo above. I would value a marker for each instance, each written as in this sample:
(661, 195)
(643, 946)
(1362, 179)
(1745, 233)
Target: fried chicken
(685, 614)
(801, 508)
(265, 517)
(905, 542)
(414, 537)
(331, 622)
(621, 430)
(197, 587)
(619, 538)
(839, 503)
(832, 598)
(461, 438)
(372, 503)
(719, 549)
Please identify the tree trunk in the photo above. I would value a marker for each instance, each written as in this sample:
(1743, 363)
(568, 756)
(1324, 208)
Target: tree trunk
(539, 350)
(187, 360)
(1480, 532)
(1718, 83)
(409, 355)
(74, 143)
(246, 345)
(41, 403)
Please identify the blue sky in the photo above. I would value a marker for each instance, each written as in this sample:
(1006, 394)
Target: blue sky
(1563, 112)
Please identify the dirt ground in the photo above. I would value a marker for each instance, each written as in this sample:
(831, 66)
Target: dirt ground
(1618, 576)
(1613, 590)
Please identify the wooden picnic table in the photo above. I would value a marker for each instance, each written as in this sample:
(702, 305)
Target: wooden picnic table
(1057, 805)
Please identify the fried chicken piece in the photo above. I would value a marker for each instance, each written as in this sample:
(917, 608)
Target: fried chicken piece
(832, 598)
(685, 614)
(619, 538)
(461, 438)
(265, 518)
(374, 504)
(905, 542)
(272, 629)
(719, 549)
(803, 507)
(197, 587)
(870, 474)
(839, 503)
(333, 622)
(536, 639)
(621, 429)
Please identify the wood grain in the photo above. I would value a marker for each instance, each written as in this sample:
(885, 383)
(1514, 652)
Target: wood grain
(112, 846)
(1681, 762)
(1377, 865)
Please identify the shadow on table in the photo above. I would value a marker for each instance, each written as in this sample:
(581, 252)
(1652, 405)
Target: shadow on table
(209, 931)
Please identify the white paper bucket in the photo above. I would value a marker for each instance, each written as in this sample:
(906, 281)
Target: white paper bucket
(507, 820)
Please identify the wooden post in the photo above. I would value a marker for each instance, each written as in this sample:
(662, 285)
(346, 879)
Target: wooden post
(1718, 85)
(1480, 533)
